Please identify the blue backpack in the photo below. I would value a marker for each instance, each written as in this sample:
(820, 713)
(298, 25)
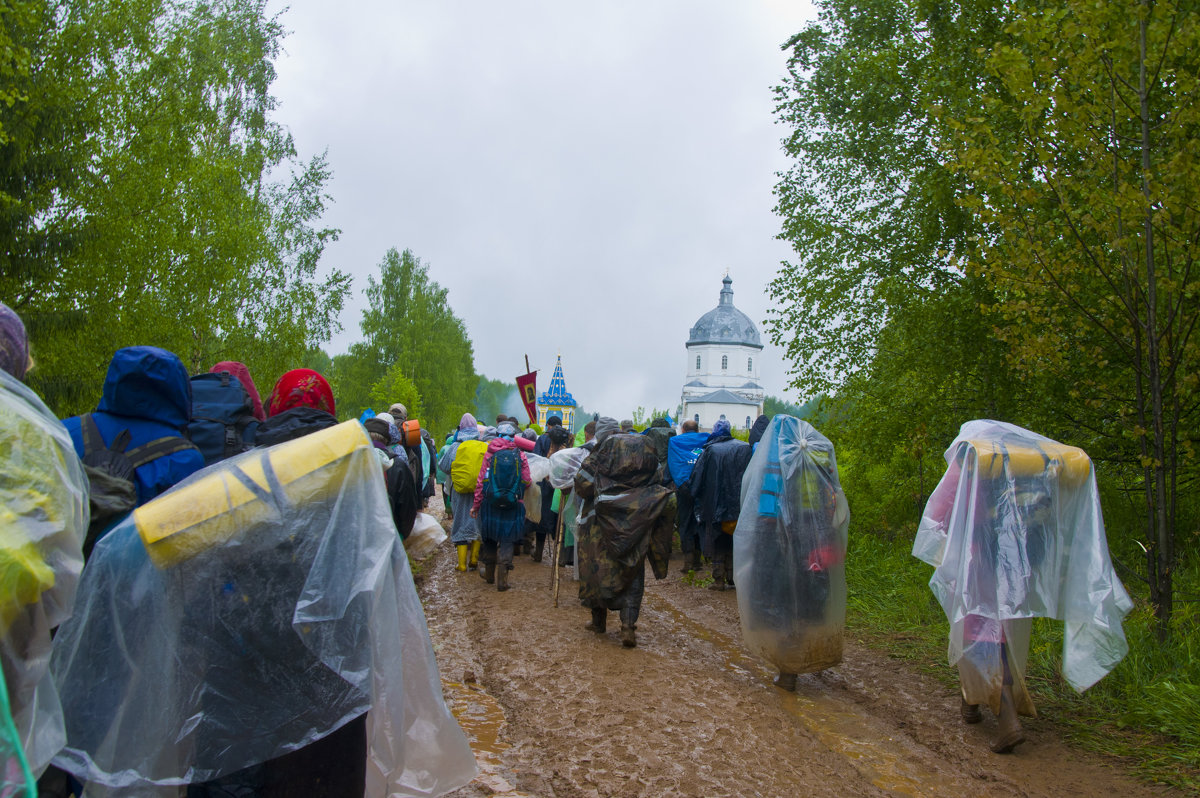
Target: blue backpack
(223, 422)
(503, 488)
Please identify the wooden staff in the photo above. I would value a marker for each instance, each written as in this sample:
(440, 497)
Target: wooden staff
(558, 545)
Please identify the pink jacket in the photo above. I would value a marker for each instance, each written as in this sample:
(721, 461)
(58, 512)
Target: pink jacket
(495, 445)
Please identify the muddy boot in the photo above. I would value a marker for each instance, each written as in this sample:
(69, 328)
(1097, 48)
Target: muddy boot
(501, 578)
(462, 557)
(599, 622)
(628, 635)
(487, 571)
(474, 561)
(718, 573)
(970, 712)
(537, 552)
(1009, 733)
(786, 681)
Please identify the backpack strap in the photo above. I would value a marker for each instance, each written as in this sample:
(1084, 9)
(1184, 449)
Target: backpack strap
(160, 447)
(93, 441)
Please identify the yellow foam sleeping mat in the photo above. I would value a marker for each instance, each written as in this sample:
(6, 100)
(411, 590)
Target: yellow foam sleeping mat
(1070, 464)
(232, 499)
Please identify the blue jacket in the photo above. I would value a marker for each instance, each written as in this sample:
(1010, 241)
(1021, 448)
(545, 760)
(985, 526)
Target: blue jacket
(147, 392)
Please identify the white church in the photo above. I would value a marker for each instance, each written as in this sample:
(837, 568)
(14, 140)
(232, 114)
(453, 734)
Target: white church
(723, 351)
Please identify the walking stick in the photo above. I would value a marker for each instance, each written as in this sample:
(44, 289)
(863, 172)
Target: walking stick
(558, 546)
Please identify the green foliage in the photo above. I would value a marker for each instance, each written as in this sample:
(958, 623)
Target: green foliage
(154, 198)
(409, 324)
(641, 419)
(492, 397)
(394, 387)
(810, 411)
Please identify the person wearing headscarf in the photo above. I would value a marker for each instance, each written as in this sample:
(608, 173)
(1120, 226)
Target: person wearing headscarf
(398, 412)
(499, 527)
(301, 403)
(43, 520)
(715, 487)
(790, 549)
(464, 533)
(626, 520)
(242, 373)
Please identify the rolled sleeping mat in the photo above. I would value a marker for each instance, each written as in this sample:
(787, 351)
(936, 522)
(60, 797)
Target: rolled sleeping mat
(1070, 464)
(410, 433)
(239, 493)
(524, 443)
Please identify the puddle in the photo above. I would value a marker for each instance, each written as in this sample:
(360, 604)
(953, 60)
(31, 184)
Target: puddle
(482, 719)
(885, 762)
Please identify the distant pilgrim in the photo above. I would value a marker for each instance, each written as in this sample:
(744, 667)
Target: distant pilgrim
(722, 367)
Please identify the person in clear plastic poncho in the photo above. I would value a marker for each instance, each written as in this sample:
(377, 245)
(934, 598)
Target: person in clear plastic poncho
(43, 520)
(790, 551)
(244, 618)
(1014, 532)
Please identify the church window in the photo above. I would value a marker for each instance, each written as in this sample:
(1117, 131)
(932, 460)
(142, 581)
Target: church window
(747, 422)
(697, 417)
(724, 362)
(697, 362)
(750, 364)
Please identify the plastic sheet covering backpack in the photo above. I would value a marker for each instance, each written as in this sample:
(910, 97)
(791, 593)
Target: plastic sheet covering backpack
(427, 534)
(564, 465)
(252, 609)
(43, 520)
(1014, 532)
(789, 550)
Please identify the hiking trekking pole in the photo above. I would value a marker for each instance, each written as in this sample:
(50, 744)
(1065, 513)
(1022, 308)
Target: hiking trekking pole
(558, 547)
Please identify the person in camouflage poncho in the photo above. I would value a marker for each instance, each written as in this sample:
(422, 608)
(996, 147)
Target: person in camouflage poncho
(627, 517)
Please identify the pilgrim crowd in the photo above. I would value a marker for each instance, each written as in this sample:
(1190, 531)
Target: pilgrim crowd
(206, 592)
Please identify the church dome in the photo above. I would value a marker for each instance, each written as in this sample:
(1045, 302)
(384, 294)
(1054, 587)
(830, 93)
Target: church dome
(725, 324)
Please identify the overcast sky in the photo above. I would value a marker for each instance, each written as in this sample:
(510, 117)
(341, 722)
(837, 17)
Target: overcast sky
(579, 176)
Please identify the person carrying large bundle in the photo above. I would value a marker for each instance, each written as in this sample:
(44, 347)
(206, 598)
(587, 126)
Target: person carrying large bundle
(626, 519)
(1014, 532)
(255, 631)
(790, 551)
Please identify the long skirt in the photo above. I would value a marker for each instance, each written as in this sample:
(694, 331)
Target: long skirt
(465, 530)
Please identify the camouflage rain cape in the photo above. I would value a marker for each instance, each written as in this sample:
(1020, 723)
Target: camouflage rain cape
(627, 517)
(43, 520)
(251, 610)
(1014, 532)
(789, 549)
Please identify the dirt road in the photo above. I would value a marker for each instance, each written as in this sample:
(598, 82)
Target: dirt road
(555, 710)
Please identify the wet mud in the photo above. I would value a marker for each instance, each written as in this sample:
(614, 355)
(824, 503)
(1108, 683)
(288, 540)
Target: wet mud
(553, 709)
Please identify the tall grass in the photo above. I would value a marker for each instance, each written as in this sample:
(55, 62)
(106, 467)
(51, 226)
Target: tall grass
(1146, 711)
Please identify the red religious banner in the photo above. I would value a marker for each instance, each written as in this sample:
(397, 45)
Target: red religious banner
(527, 386)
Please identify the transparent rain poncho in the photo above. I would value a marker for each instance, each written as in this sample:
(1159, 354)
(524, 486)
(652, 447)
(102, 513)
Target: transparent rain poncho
(43, 520)
(1014, 532)
(249, 611)
(789, 550)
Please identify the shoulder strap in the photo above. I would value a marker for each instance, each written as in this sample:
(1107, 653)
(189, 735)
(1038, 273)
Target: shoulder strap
(158, 448)
(93, 441)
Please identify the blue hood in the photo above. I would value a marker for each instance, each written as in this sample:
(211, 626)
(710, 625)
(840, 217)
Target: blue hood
(150, 383)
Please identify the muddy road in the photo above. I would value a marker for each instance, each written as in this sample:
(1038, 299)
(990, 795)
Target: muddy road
(555, 710)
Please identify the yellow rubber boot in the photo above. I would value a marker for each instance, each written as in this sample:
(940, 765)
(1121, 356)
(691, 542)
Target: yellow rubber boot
(475, 546)
(462, 557)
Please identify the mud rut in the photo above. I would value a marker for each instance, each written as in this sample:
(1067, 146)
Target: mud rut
(554, 710)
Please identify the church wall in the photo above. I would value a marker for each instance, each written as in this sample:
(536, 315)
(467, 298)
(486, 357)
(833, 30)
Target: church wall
(710, 412)
(710, 372)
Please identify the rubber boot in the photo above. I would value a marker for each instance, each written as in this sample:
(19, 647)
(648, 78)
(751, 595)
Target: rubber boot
(1009, 733)
(487, 572)
(599, 622)
(970, 712)
(541, 547)
(786, 681)
(501, 578)
(628, 635)
(474, 562)
(462, 557)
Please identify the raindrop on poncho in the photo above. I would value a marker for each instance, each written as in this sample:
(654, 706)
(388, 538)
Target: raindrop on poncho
(1014, 532)
(789, 550)
(249, 611)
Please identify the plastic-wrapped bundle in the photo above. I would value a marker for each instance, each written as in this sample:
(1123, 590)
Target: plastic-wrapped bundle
(564, 465)
(43, 519)
(1014, 532)
(427, 534)
(539, 467)
(790, 550)
(249, 611)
